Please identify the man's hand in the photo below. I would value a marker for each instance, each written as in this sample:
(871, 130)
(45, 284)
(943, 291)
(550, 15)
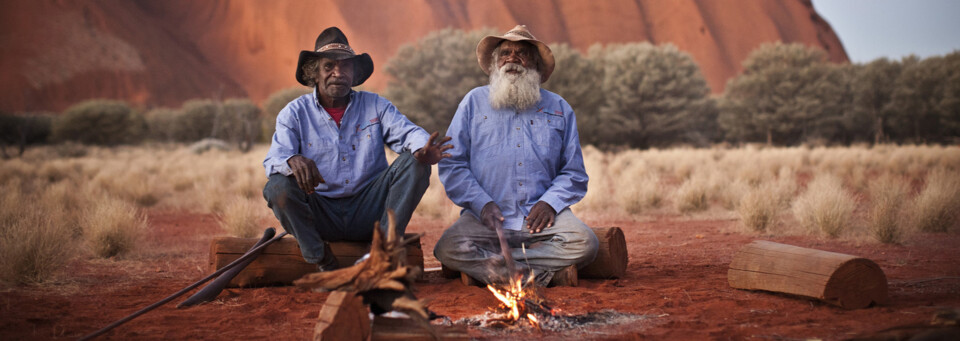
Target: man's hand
(541, 217)
(433, 151)
(491, 216)
(306, 173)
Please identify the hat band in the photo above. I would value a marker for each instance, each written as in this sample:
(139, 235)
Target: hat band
(335, 46)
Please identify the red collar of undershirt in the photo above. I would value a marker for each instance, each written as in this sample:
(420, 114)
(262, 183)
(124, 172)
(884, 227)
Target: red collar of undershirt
(336, 113)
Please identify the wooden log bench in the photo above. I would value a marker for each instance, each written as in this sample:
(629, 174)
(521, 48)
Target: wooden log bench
(611, 261)
(847, 281)
(281, 262)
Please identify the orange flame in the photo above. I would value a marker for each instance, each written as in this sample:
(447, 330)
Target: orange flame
(513, 299)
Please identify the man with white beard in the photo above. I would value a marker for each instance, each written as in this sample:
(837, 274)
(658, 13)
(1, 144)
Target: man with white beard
(518, 167)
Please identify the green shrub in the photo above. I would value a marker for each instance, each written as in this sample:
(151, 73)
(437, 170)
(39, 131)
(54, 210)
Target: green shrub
(196, 120)
(23, 130)
(161, 124)
(99, 122)
(239, 122)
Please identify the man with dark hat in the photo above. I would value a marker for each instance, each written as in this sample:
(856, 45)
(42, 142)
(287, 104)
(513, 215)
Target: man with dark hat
(328, 173)
(517, 167)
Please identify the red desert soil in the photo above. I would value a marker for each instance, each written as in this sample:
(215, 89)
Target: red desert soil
(676, 277)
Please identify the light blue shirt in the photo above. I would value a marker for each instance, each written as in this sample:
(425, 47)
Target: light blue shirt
(514, 158)
(348, 157)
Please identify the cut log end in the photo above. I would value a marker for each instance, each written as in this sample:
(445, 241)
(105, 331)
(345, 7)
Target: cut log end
(856, 284)
(611, 261)
(843, 280)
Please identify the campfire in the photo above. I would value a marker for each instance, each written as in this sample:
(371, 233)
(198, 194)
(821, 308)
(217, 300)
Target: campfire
(520, 300)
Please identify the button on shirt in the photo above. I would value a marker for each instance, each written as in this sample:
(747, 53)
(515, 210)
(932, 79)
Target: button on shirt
(514, 158)
(348, 157)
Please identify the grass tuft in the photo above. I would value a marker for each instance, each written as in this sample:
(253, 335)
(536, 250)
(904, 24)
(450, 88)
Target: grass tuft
(691, 196)
(241, 217)
(112, 227)
(825, 206)
(33, 244)
(885, 218)
(936, 208)
(760, 207)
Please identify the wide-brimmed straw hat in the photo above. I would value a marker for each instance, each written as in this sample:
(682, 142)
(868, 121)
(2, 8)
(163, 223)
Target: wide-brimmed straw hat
(519, 33)
(332, 43)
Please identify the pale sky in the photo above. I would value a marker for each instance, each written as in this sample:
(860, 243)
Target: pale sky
(870, 29)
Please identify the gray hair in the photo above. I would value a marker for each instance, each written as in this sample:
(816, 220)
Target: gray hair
(310, 68)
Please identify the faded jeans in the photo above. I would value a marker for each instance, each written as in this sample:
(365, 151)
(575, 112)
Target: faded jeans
(314, 219)
(470, 247)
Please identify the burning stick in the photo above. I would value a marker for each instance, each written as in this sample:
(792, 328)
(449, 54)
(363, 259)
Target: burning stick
(507, 257)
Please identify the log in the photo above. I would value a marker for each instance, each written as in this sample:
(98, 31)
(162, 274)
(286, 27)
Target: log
(401, 329)
(343, 317)
(847, 281)
(281, 263)
(611, 261)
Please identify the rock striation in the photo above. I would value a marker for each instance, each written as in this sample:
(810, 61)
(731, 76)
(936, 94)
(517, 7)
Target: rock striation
(161, 53)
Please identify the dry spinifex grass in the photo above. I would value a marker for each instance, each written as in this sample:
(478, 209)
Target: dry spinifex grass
(935, 209)
(825, 206)
(34, 243)
(885, 219)
(112, 227)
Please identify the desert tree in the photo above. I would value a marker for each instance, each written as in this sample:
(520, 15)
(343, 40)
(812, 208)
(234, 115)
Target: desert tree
(653, 96)
(786, 94)
(872, 88)
(431, 76)
(926, 100)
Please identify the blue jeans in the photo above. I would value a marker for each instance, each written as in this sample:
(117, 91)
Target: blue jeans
(314, 219)
(470, 247)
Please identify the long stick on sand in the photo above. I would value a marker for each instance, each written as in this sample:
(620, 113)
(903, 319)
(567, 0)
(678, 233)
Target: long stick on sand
(250, 254)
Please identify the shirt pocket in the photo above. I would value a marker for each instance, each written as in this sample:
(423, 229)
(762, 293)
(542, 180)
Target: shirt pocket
(547, 130)
(490, 133)
(368, 138)
(321, 150)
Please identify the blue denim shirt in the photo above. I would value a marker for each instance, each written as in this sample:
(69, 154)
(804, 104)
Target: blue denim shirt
(514, 158)
(348, 157)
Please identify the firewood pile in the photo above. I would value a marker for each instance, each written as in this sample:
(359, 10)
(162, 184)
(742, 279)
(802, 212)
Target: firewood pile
(383, 279)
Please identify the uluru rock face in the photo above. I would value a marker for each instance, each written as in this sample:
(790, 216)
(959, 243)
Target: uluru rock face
(161, 53)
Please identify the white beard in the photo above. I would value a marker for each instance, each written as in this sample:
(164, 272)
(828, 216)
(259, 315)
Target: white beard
(518, 91)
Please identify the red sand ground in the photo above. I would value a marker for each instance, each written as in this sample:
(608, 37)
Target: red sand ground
(673, 275)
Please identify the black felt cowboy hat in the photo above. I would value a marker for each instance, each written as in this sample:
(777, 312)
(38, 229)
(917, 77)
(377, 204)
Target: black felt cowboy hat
(332, 43)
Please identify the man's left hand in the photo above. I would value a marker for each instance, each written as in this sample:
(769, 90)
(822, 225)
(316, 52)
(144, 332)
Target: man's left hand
(541, 217)
(434, 150)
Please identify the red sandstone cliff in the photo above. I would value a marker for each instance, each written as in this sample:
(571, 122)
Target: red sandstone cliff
(57, 52)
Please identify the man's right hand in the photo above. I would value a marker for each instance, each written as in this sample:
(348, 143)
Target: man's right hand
(491, 216)
(306, 173)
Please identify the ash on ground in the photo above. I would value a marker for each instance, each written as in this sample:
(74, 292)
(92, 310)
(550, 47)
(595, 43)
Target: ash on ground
(555, 323)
